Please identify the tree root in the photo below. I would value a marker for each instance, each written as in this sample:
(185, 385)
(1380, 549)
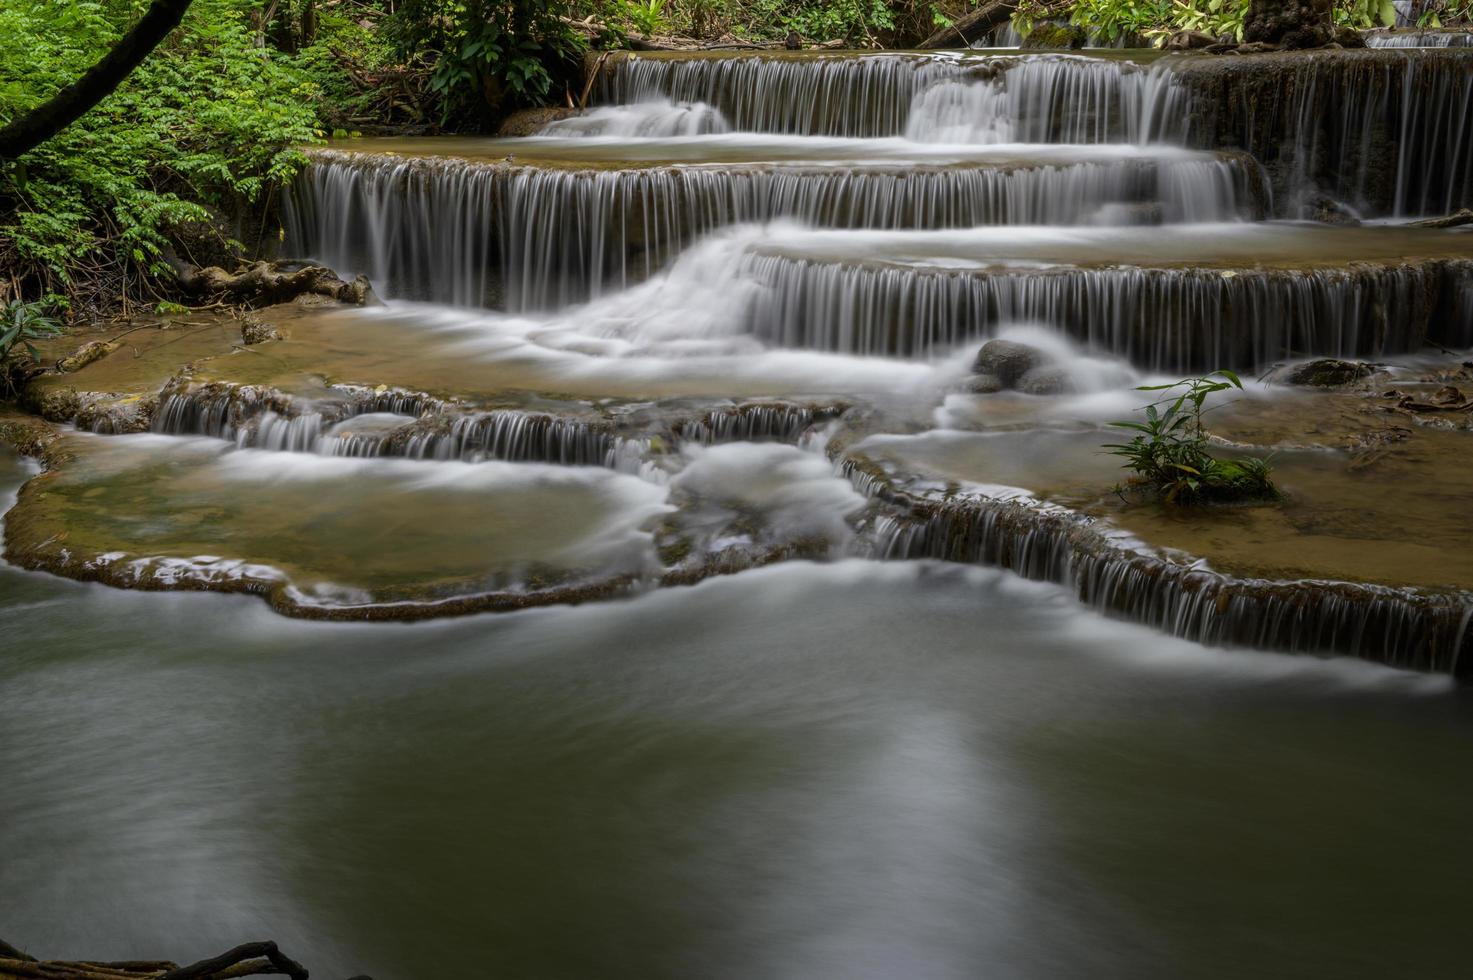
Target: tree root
(265, 284)
(247, 960)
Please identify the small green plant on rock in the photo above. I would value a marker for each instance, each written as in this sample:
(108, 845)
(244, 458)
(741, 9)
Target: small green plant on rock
(1169, 451)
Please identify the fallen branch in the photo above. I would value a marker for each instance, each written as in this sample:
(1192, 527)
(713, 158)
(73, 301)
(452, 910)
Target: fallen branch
(246, 960)
(263, 284)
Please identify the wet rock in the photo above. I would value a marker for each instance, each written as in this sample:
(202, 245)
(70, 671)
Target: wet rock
(529, 122)
(1048, 380)
(1327, 210)
(982, 384)
(254, 330)
(1349, 37)
(1449, 396)
(1221, 47)
(1007, 361)
(1327, 373)
(1257, 47)
(116, 415)
(1066, 36)
(1190, 41)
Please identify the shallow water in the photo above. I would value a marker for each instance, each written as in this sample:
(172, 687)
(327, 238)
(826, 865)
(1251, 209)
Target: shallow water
(853, 770)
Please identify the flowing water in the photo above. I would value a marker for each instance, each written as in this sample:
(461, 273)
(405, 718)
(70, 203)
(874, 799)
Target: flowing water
(694, 369)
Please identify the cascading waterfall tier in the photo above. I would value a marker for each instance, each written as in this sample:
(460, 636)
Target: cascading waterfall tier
(1162, 318)
(1406, 628)
(1389, 131)
(1421, 39)
(528, 238)
(1047, 98)
(365, 423)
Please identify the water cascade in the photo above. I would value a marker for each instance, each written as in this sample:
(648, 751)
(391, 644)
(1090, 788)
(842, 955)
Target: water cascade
(735, 274)
(527, 238)
(1388, 131)
(1048, 98)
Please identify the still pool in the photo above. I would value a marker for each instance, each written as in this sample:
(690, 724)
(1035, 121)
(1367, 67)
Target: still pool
(848, 770)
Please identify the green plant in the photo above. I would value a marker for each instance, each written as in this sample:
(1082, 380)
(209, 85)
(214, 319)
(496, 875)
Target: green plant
(487, 55)
(647, 16)
(1169, 452)
(21, 324)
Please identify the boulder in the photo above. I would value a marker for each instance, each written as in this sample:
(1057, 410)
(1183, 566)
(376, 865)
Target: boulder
(1007, 361)
(1328, 372)
(1327, 210)
(1047, 380)
(1190, 41)
(529, 122)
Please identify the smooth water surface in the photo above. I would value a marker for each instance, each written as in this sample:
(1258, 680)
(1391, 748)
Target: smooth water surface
(848, 770)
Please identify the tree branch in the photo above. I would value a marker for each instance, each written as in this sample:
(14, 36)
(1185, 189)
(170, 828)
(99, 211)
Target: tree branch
(67, 106)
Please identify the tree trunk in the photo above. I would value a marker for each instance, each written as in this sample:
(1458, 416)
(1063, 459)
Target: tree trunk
(969, 29)
(67, 106)
(1289, 23)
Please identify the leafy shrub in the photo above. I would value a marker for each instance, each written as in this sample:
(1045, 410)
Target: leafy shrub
(1169, 453)
(21, 324)
(487, 55)
(1158, 19)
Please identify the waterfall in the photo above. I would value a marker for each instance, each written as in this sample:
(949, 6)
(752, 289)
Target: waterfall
(1388, 131)
(530, 238)
(517, 437)
(1176, 319)
(1405, 628)
(643, 120)
(754, 423)
(1421, 39)
(1055, 98)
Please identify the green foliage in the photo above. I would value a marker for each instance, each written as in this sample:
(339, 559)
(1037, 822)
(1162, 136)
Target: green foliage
(647, 16)
(854, 20)
(486, 55)
(1159, 19)
(1169, 451)
(21, 323)
(210, 120)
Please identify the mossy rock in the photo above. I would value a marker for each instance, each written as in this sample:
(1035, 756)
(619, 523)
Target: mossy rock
(1049, 35)
(1237, 480)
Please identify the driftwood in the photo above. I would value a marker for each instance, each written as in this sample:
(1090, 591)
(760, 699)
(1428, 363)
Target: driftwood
(265, 284)
(248, 960)
(1455, 220)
